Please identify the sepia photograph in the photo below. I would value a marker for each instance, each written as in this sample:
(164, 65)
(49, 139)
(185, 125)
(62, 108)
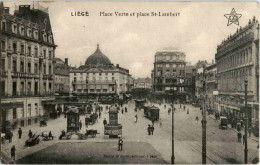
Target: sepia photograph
(128, 82)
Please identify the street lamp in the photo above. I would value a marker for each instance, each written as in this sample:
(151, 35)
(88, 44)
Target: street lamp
(246, 123)
(204, 123)
(172, 157)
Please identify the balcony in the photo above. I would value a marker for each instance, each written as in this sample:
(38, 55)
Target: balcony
(47, 76)
(101, 82)
(79, 82)
(3, 74)
(24, 75)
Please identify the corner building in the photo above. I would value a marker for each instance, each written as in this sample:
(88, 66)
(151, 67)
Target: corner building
(99, 79)
(27, 52)
(237, 58)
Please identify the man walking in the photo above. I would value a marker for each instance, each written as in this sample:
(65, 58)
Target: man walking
(20, 133)
(120, 144)
(149, 129)
(239, 136)
(80, 125)
(13, 153)
(249, 131)
(50, 135)
(152, 129)
(105, 121)
(30, 134)
(136, 117)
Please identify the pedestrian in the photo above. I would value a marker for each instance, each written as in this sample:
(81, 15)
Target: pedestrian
(13, 153)
(50, 135)
(20, 133)
(122, 111)
(136, 117)
(10, 136)
(169, 111)
(135, 109)
(149, 129)
(80, 125)
(125, 109)
(153, 120)
(99, 115)
(249, 131)
(152, 129)
(239, 136)
(164, 106)
(197, 119)
(244, 139)
(120, 144)
(184, 107)
(188, 111)
(160, 122)
(105, 121)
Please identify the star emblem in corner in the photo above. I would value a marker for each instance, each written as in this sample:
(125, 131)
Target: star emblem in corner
(233, 17)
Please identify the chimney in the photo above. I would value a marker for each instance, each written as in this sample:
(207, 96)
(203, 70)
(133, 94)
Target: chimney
(66, 61)
(6, 10)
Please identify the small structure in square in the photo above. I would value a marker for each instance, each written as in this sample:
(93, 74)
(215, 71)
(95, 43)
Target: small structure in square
(113, 129)
(73, 120)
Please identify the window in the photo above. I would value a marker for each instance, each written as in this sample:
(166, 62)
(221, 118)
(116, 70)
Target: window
(36, 52)
(50, 71)
(167, 65)
(36, 109)
(44, 38)
(35, 35)
(22, 67)
(14, 28)
(49, 54)
(44, 69)
(14, 113)
(35, 68)
(22, 30)
(30, 109)
(174, 65)
(14, 48)
(113, 78)
(3, 26)
(2, 64)
(22, 88)
(104, 90)
(29, 33)
(29, 67)
(22, 49)
(29, 87)
(3, 46)
(44, 53)
(29, 51)
(22, 112)
(14, 66)
(50, 39)
(100, 74)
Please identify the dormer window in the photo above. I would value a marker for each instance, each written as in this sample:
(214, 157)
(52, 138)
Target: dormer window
(35, 35)
(50, 39)
(29, 33)
(22, 30)
(44, 37)
(14, 28)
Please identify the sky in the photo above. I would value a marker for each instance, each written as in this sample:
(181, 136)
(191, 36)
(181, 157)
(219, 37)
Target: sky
(132, 41)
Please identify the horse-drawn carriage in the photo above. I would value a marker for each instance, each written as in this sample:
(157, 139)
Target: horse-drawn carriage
(33, 140)
(91, 119)
(92, 133)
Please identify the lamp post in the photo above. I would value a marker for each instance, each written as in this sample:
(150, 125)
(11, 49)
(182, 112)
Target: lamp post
(246, 123)
(204, 122)
(172, 157)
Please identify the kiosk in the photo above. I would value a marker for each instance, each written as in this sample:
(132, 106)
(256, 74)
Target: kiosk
(113, 129)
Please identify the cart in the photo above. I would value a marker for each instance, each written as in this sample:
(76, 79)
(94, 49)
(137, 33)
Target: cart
(223, 123)
(91, 133)
(33, 140)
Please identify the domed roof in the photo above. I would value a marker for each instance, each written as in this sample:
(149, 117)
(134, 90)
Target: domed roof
(97, 58)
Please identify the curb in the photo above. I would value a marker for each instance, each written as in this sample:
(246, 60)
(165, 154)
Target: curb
(235, 130)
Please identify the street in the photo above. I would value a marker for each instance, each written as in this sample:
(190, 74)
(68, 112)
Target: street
(222, 145)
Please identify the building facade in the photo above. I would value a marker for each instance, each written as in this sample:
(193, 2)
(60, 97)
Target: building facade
(169, 76)
(211, 86)
(237, 59)
(143, 83)
(27, 52)
(61, 77)
(99, 77)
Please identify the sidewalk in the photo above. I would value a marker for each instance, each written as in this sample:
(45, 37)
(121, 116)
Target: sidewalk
(252, 137)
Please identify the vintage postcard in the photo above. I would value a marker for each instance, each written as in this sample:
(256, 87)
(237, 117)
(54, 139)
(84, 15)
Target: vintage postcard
(105, 82)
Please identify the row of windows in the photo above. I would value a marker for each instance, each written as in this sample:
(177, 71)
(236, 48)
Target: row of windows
(237, 73)
(29, 67)
(29, 111)
(31, 33)
(100, 74)
(94, 78)
(182, 66)
(28, 51)
(239, 58)
(170, 57)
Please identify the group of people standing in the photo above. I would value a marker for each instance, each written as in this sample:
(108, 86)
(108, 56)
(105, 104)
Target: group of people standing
(150, 129)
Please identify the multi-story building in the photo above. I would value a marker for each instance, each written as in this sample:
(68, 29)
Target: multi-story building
(27, 52)
(169, 75)
(61, 77)
(237, 59)
(200, 68)
(99, 77)
(143, 83)
(211, 86)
